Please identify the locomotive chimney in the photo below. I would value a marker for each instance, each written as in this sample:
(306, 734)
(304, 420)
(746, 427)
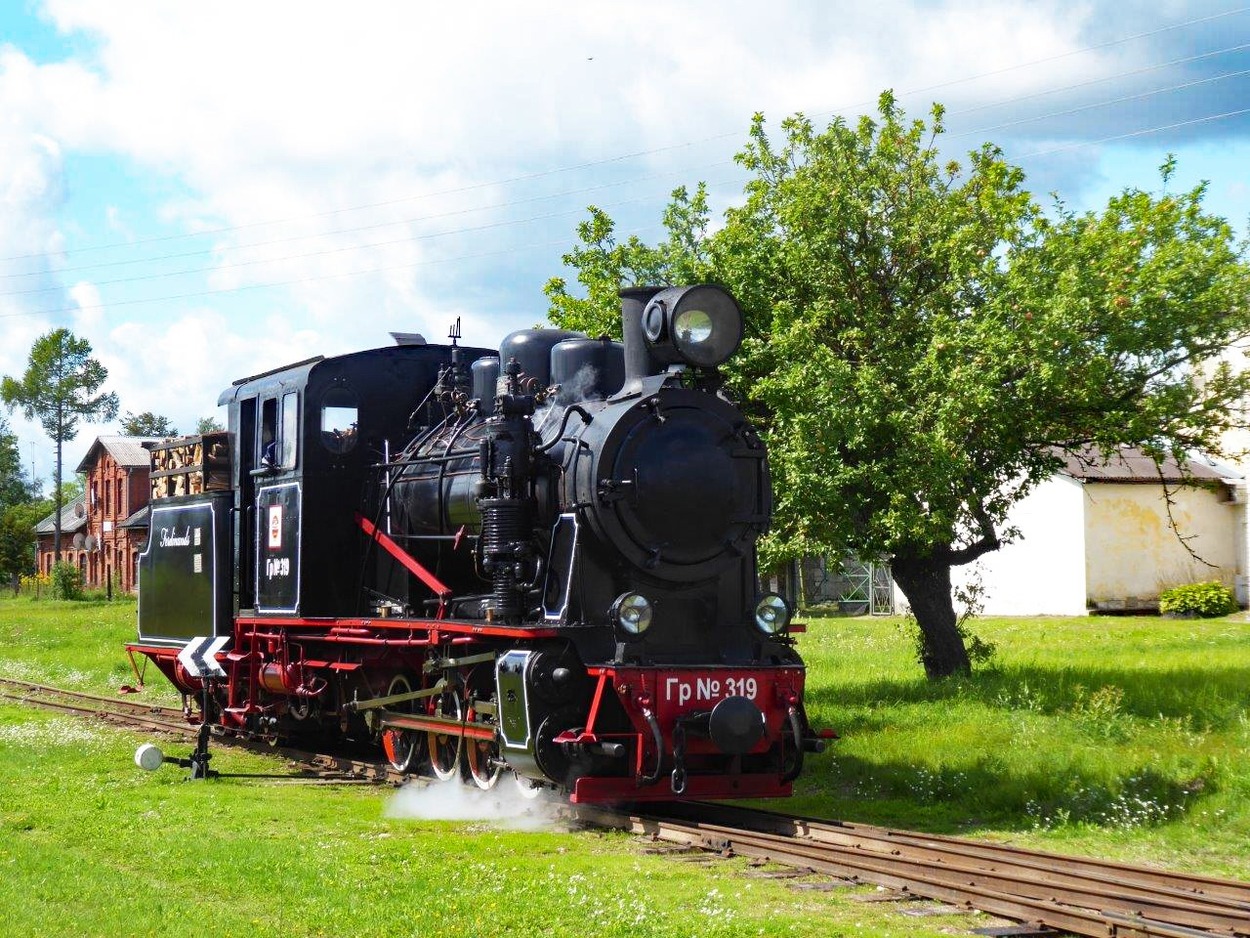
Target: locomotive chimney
(639, 362)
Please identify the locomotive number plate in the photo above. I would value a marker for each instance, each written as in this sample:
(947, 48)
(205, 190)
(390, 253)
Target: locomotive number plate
(680, 691)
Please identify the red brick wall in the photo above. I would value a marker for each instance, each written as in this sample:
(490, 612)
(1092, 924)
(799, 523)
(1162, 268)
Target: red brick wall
(114, 493)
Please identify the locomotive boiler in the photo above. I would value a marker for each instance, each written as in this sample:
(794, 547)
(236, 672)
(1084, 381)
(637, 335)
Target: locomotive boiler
(537, 561)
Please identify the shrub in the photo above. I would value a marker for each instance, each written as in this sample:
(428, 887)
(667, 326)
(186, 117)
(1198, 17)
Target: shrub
(36, 584)
(66, 581)
(1198, 599)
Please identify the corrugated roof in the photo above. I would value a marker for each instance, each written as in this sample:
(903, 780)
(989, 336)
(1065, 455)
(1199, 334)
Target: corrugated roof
(71, 519)
(127, 450)
(1132, 465)
(138, 520)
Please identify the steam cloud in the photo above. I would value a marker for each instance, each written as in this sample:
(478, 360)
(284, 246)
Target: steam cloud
(504, 806)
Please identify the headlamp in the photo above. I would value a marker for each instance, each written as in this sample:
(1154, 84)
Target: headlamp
(772, 614)
(632, 612)
(699, 326)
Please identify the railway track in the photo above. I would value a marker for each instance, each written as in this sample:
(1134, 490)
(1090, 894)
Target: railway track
(1046, 891)
(1042, 890)
(132, 713)
(135, 714)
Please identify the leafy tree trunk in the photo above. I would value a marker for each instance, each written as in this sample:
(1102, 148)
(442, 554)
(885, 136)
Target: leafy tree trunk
(56, 492)
(926, 582)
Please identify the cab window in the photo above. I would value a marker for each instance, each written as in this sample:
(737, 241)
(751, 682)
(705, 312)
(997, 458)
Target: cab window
(279, 431)
(338, 420)
(290, 428)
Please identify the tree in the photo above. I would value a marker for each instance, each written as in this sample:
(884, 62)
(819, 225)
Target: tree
(20, 510)
(17, 538)
(147, 424)
(14, 488)
(924, 343)
(208, 425)
(59, 390)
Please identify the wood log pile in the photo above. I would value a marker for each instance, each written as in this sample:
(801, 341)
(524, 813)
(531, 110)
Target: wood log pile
(191, 465)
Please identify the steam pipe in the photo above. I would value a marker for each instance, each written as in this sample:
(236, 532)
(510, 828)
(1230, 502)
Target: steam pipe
(639, 362)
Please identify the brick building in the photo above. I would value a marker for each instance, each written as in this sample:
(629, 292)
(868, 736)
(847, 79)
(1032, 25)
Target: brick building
(108, 525)
(73, 536)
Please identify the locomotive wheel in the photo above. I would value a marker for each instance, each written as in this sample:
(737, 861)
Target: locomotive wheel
(528, 788)
(483, 759)
(445, 748)
(404, 748)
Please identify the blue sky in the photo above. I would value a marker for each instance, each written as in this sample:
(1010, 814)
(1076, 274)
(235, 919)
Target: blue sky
(208, 191)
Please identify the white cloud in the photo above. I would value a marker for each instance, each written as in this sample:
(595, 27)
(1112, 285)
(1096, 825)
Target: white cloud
(296, 110)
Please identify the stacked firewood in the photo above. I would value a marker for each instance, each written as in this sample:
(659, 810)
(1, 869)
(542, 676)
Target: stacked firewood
(191, 465)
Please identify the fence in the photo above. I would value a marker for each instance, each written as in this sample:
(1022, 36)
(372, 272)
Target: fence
(855, 586)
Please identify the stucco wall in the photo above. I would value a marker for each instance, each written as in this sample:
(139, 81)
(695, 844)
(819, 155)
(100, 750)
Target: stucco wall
(1043, 571)
(1132, 553)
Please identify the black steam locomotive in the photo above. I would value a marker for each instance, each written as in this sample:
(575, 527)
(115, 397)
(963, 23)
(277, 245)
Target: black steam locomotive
(539, 561)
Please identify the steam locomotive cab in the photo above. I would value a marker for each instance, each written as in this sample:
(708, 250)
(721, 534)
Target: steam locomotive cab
(541, 561)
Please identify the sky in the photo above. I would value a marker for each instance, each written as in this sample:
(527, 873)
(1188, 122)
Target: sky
(207, 191)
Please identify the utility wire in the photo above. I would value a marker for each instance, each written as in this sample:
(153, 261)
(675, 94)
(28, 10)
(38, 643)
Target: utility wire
(1099, 104)
(409, 238)
(511, 251)
(583, 191)
(650, 152)
(1136, 133)
(532, 245)
(680, 173)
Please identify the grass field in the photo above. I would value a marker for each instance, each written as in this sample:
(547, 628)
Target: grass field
(1116, 737)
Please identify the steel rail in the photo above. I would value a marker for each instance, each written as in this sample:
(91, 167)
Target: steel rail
(1079, 895)
(137, 714)
(1060, 869)
(143, 716)
(1080, 907)
(21, 690)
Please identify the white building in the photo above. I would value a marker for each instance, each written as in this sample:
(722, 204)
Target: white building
(1099, 538)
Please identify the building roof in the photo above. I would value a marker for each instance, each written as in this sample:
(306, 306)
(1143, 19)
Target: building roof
(73, 518)
(1131, 465)
(127, 450)
(138, 520)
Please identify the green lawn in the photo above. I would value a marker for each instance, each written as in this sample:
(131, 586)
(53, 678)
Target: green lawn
(1126, 737)
(1117, 737)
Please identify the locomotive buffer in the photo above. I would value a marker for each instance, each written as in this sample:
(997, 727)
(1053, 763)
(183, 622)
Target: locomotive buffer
(199, 657)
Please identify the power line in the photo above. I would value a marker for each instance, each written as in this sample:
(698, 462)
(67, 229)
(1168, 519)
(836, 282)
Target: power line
(1098, 104)
(1102, 79)
(409, 239)
(1136, 133)
(536, 245)
(293, 282)
(371, 227)
(650, 152)
(588, 189)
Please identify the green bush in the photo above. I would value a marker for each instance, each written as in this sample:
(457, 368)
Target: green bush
(66, 581)
(1204, 600)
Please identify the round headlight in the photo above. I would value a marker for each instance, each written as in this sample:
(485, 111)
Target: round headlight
(692, 327)
(701, 325)
(632, 612)
(772, 614)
